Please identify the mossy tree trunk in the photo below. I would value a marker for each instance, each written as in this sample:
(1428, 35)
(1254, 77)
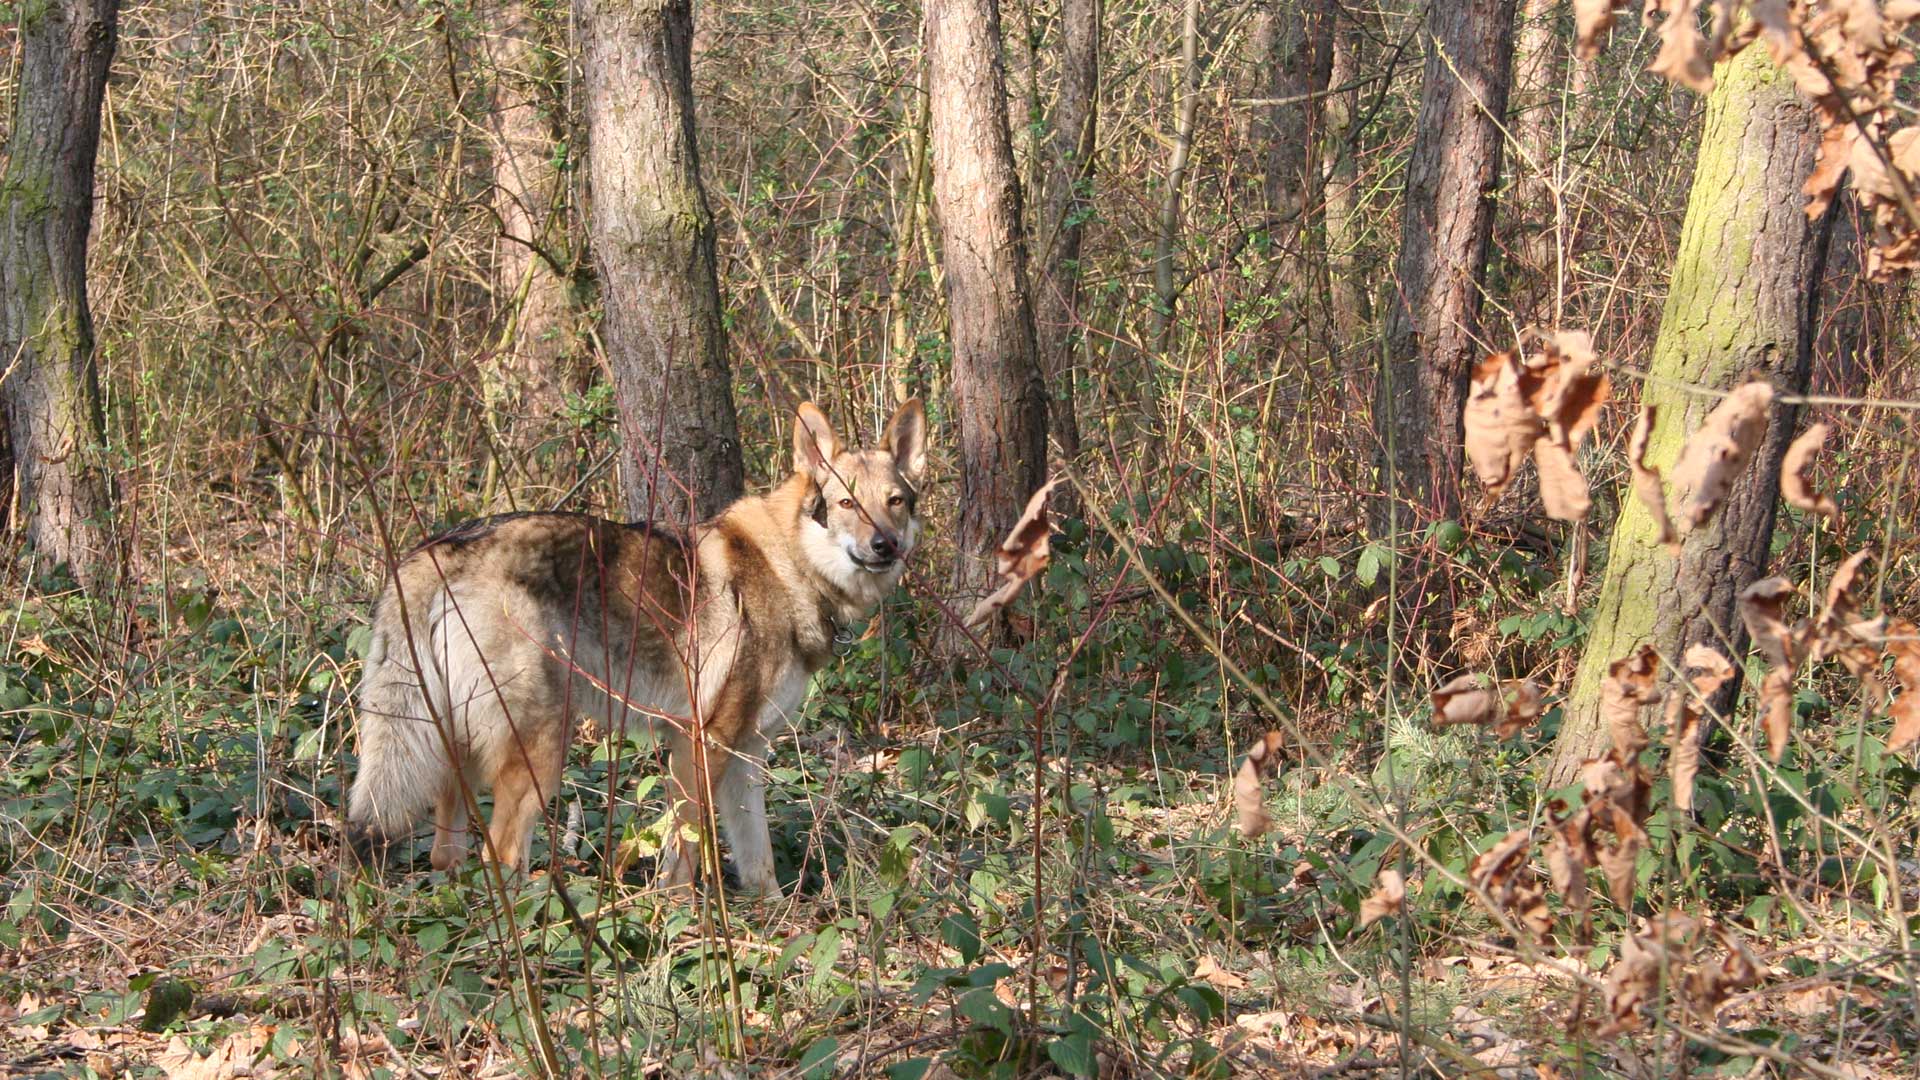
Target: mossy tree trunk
(1433, 322)
(48, 371)
(999, 400)
(653, 239)
(1740, 307)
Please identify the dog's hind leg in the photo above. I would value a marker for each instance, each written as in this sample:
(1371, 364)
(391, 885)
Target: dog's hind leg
(524, 781)
(450, 823)
(742, 803)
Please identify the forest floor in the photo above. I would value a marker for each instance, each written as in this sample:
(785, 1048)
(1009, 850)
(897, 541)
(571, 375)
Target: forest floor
(177, 902)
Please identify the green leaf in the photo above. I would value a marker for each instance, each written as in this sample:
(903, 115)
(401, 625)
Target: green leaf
(1073, 1053)
(981, 1007)
(817, 1063)
(959, 930)
(910, 1069)
(1329, 566)
(1373, 559)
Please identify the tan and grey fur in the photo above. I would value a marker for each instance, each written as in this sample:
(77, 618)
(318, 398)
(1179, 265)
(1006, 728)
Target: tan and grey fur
(491, 638)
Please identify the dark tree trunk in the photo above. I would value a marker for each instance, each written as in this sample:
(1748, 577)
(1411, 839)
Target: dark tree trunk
(1352, 309)
(1070, 167)
(52, 393)
(653, 239)
(999, 401)
(1741, 306)
(1433, 322)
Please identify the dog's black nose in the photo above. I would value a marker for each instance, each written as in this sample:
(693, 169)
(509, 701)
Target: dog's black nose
(884, 546)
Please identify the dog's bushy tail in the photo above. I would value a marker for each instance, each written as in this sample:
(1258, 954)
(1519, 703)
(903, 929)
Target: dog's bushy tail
(403, 763)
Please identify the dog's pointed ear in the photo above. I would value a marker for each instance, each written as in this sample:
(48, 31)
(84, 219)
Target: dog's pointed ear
(906, 440)
(814, 443)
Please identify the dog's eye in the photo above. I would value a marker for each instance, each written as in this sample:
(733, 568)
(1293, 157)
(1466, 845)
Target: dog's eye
(846, 504)
(895, 500)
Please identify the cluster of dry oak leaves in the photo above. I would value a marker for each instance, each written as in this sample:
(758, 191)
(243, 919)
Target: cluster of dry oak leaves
(1846, 56)
(1539, 401)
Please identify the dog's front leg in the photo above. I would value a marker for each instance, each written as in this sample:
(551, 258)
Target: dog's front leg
(743, 816)
(694, 773)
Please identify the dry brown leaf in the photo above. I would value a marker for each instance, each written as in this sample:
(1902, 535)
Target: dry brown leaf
(1592, 21)
(1022, 555)
(1500, 425)
(1475, 699)
(1683, 749)
(1494, 868)
(1629, 686)
(1569, 853)
(1619, 860)
(1763, 608)
(1903, 642)
(1683, 57)
(1776, 703)
(1795, 485)
(1683, 719)
(1390, 890)
(1646, 479)
(1567, 388)
(1633, 983)
(1717, 454)
(1249, 795)
(1209, 972)
(1563, 489)
(1708, 986)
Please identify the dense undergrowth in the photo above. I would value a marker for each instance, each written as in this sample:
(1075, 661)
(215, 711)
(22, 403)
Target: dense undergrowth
(175, 885)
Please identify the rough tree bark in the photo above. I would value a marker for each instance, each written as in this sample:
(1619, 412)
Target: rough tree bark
(1741, 306)
(1070, 167)
(1352, 308)
(653, 239)
(524, 378)
(1539, 59)
(1433, 321)
(999, 401)
(48, 372)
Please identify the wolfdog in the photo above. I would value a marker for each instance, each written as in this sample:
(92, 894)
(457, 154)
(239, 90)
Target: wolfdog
(491, 638)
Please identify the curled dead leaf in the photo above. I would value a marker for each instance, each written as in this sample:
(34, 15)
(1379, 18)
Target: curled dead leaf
(1646, 479)
(1619, 860)
(1628, 687)
(1500, 425)
(1022, 555)
(1249, 794)
(1569, 853)
(1508, 706)
(1763, 608)
(1683, 57)
(1683, 719)
(1592, 21)
(1717, 454)
(1390, 891)
(1903, 642)
(1795, 485)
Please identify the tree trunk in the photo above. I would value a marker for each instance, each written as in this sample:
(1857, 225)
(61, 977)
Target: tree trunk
(1351, 307)
(1741, 306)
(999, 401)
(524, 378)
(1166, 289)
(1538, 62)
(1433, 325)
(52, 390)
(1070, 166)
(1294, 47)
(653, 239)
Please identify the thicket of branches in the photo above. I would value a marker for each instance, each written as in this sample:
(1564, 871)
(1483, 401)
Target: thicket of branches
(312, 284)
